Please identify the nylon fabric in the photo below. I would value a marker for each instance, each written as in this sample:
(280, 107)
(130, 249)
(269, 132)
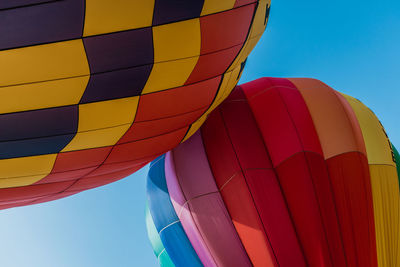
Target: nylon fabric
(203, 213)
(384, 182)
(155, 240)
(245, 177)
(165, 219)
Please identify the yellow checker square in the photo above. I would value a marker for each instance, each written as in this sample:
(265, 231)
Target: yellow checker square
(97, 138)
(42, 94)
(169, 74)
(376, 142)
(105, 114)
(212, 6)
(103, 123)
(20, 181)
(43, 62)
(105, 16)
(177, 40)
(25, 170)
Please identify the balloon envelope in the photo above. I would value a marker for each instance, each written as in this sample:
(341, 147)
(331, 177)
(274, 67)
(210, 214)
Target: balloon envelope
(287, 172)
(90, 91)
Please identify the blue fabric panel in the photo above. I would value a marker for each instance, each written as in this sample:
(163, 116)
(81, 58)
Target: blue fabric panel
(165, 219)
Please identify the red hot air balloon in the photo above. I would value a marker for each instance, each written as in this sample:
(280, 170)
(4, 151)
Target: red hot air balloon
(304, 175)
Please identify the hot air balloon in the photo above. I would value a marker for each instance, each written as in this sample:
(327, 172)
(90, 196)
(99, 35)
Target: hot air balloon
(91, 91)
(285, 172)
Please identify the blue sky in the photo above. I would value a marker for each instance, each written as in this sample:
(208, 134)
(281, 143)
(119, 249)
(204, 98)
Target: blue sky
(352, 45)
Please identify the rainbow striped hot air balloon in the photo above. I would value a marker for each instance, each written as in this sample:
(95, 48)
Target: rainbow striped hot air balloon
(92, 90)
(285, 172)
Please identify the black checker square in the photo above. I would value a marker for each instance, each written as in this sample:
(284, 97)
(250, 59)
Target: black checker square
(45, 22)
(167, 11)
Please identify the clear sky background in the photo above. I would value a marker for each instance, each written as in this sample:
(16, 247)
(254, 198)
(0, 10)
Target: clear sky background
(352, 45)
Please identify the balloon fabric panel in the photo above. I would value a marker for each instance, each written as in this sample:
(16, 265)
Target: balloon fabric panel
(166, 220)
(245, 177)
(297, 157)
(344, 151)
(396, 156)
(156, 243)
(292, 147)
(201, 208)
(385, 184)
(100, 70)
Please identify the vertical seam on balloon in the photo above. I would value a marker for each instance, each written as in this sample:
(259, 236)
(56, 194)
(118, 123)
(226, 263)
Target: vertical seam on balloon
(248, 189)
(334, 93)
(330, 183)
(84, 17)
(277, 177)
(222, 200)
(308, 168)
(330, 188)
(371, 245)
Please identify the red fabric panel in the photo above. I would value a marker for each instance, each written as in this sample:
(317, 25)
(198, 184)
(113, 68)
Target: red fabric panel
(96, 181)
(80, 159)
(146, 147)
(275, 124)
(294, 177)
(37, 200)
(32, 191)
(261, 179)
(113, 167)
(65, 176)
(289, 133)
(253, 195)
(177, 101)
(235, 193)
(213, 64)
(326, 199)
(352, 189)
(225, 29)
(243, 2)
(146, 129)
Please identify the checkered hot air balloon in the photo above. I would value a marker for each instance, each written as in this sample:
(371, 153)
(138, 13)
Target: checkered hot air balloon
(91, 91)
(285, 172)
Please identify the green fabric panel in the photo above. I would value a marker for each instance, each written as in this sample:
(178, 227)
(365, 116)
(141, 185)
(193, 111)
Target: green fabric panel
(165, 260)
(397, 159)
(152, 234)
(156, 243)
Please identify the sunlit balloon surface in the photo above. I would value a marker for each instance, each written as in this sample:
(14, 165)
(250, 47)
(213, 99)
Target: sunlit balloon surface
(90, 91)
(285, 172)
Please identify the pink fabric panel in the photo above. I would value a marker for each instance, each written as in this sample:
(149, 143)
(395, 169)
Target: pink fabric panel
(179, 202)
(205, 211)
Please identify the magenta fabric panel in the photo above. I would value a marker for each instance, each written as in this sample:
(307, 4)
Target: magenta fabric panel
(203, 212)
(179, 202)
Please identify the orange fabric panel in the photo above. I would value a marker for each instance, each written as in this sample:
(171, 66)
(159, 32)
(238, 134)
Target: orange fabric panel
(334, 122)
